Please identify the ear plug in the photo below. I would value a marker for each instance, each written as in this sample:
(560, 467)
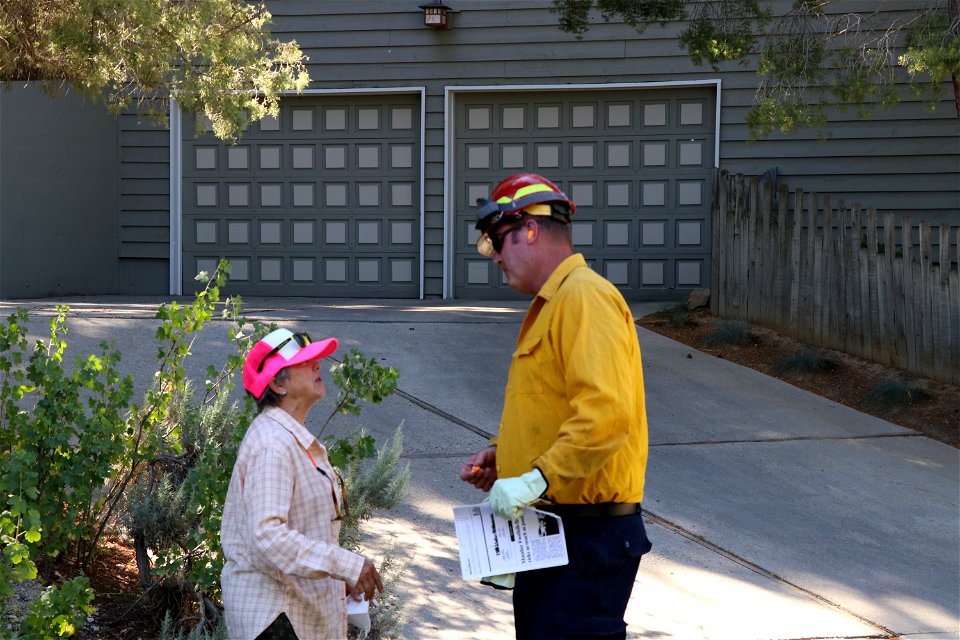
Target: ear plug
(529, 233)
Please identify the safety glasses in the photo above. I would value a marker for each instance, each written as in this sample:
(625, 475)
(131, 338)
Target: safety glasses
(333, 495)
(490, 243)
(301, 339)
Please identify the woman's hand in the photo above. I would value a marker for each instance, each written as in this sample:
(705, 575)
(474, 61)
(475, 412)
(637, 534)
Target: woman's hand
(368, 583)
(480, 469)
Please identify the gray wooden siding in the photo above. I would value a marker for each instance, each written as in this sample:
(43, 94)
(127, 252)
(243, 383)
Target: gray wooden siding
(906, 160)
(144, 234)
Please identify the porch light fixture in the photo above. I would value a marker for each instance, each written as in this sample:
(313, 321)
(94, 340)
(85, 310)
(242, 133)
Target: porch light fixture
(435, 15)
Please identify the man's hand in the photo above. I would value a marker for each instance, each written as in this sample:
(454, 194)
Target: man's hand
(510, 495)
(480, 469)
(368, 582)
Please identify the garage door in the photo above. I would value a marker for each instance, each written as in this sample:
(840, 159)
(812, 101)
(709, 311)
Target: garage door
(638, 163)
(323, 201)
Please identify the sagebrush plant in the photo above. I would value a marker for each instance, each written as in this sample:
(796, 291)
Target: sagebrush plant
(70, 445)
(386, 612)
(169, 630)
(369, 488)
(176, 503)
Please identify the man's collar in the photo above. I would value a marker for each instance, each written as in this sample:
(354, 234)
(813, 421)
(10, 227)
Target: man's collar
(560, 274)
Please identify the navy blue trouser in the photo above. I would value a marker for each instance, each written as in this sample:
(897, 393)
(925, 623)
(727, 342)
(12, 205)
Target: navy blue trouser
(588, 597)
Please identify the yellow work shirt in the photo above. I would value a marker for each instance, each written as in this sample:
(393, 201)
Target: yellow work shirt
(574, 403)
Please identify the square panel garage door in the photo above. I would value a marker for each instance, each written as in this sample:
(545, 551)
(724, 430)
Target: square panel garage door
(323, 201)
(638, 163)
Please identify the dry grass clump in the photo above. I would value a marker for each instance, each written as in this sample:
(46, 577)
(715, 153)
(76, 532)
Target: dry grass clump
(892, 393)
(731, 332)
(806, 360)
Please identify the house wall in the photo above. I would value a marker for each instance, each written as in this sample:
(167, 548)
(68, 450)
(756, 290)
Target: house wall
(58, 195)
(905, 160)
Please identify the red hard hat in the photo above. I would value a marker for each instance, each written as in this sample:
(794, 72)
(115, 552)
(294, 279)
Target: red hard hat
(516, 193)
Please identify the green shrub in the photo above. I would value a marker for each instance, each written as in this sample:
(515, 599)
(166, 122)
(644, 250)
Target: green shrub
(730, 332)
(370, 487)
(169, 630)
(73, 452)
(360, 379)
(806, 360)
(62, 436)
(386, 612)
(60, 611)
(175, 508)
(675, 316)
(893, 392)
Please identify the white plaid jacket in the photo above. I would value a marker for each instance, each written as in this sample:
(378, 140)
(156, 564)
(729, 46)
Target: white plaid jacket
(279, 535)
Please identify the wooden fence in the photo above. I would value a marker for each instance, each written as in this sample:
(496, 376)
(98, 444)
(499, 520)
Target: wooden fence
(839, 277)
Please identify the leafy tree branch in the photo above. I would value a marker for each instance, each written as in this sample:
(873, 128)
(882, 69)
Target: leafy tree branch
(216, 57)
(814, 56)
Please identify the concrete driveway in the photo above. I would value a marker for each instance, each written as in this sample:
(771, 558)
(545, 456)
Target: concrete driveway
(775, 514)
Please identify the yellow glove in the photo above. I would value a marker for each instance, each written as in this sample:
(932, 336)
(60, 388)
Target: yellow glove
(509, 496)
(504, 581)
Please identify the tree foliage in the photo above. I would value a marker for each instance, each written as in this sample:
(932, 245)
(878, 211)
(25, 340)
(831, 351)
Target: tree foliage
(813, 56)
(215, 57)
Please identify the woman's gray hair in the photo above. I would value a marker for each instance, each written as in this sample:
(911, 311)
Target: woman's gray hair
(269, 397)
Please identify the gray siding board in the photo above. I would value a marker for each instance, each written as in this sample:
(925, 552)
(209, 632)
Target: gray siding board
(146, 218)
(139, 136)
(146, 154)
(150, 250)
(145, 186)
(147, 171)
(145, 202)
(157, 234)
(140, 276)
(869, 154)
(144, 235)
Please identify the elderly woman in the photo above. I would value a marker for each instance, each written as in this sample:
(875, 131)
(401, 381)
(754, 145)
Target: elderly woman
(285, 574)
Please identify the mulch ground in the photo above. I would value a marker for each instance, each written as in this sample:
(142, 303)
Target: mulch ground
(120, 614)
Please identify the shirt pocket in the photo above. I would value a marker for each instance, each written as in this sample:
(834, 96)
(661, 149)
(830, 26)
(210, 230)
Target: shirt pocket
(526, 375)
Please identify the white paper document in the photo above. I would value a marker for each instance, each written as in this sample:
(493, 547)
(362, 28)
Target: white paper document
(491, 545)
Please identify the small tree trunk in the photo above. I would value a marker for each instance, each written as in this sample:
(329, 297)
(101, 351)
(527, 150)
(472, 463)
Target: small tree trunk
(143, 558)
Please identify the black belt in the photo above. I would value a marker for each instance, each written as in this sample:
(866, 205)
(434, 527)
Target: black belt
(598, 510)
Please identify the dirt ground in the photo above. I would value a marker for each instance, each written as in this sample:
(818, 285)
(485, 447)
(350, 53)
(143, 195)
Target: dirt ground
(120, 615)
(931, 407)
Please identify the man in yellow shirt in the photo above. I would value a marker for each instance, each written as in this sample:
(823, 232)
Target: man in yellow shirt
(573, 435)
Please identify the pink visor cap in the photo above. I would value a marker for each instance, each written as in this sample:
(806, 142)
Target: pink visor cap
(266, 356)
